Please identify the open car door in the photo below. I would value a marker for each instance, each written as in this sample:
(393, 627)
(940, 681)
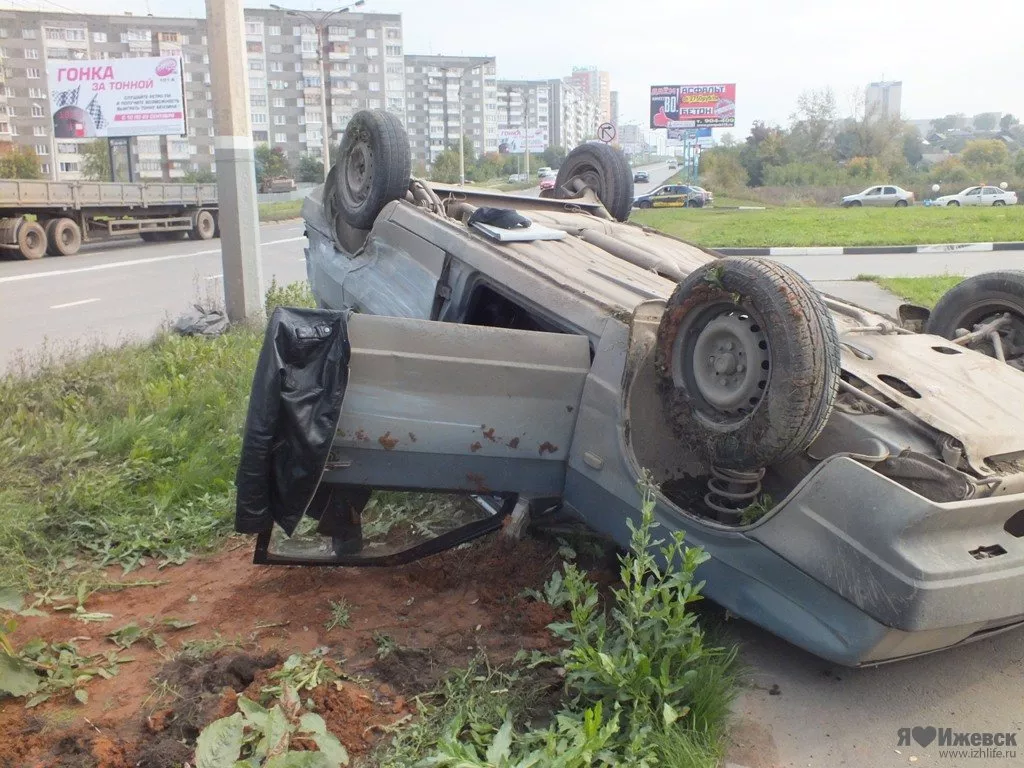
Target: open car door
(476, 416)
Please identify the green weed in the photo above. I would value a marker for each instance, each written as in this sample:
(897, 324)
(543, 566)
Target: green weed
(340, 614)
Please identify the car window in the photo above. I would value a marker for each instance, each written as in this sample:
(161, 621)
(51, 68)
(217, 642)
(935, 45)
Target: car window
(975, 191)
(993, 191)
(890, 190)
(874, 191)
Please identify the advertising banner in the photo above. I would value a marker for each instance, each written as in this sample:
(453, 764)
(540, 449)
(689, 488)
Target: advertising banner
(116, 97)
(693, 106)
(513, 140)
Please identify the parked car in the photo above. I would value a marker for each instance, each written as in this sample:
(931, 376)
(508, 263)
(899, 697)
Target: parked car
(886, 196)
(858, 487)
(674, 196)
(672, 165)
(641, 177)
(543, 171)
(516, 178)
(981, 195)
(548, 181)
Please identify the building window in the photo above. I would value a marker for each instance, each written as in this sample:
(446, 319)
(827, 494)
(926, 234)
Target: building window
(31, 53)
(280, 138)
(259, 118)
(308, 46)
(37, 111)
(29, 34)
(278, 102)
(42, 149)
(276, 66)
(38, 130)
(275, 48)
(209, 114)
(70, 167)
(32, 73)
(67, 148)
(373, 51)
(252, 47)
(392, 50)
(302, 120)
(391, 33)
(273, 31)
(258, 100)
(374, 86)
(169, 37)
(373, 103)
(184, 39)
(36, 93)
(279, 120)
(308, 30)
(371, 34)
(254, 27)
(255, 65)
(394, 69)
(188, 77)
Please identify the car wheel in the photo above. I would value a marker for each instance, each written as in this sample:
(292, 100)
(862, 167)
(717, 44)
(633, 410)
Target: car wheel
(63, 237)
(981, 299)
(373, 168)
(998, 202)
(692, 204)
(901, 203)
(953, 204)
(748, 362)
(204, 227)
(31, 240)
(644, 204)
(602, 168)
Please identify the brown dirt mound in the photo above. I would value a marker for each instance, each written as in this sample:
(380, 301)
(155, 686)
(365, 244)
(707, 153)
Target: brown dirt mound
(440, 613)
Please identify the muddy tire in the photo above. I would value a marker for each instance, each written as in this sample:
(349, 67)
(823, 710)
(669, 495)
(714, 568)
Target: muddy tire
(63, 237)
(204, 226)
(605, 170)
(373, 168)
(150, 237)
(978, 299)
(31, 240)
(748, 362)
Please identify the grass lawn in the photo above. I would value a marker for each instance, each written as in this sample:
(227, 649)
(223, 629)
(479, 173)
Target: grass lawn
(837, 226)
(917, 290)
(288, 209)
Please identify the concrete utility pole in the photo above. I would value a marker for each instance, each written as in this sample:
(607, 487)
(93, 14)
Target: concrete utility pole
(236, 161)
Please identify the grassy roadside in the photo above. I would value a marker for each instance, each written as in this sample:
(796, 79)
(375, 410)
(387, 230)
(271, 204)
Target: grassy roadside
(837, 226)
(282, 211)
(925, 291)
(125, 454)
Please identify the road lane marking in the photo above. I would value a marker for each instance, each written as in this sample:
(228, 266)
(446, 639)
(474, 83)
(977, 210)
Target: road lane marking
(128, 263)
(73, 304)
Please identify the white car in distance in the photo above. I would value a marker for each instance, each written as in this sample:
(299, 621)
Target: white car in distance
(983, 195)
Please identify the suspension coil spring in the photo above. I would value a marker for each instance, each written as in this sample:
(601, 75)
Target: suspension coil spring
(730, 491)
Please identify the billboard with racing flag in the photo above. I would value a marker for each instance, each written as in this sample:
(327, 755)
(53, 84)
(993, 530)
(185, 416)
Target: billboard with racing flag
(693, 106)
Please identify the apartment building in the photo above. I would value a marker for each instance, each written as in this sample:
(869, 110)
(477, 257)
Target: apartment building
(526, 104)
(574, 115)
(363, 57)
(597, 84)
(446, 94)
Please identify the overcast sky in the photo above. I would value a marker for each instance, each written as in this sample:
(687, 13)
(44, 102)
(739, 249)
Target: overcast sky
(952, 55)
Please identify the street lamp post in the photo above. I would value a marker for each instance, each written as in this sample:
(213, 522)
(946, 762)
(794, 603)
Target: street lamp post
(320, 24)
(462, 127)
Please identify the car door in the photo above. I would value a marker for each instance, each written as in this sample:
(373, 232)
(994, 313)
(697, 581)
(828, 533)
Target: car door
(973, 196)
(666, 197)
(990, 195)
(873, 196)
(889, 196)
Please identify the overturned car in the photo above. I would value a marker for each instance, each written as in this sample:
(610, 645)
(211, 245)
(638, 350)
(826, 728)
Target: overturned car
(859, 486)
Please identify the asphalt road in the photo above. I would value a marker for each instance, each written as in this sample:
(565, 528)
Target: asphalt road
(122, 290)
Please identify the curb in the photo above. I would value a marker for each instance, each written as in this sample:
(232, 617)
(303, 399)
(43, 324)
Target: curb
(861, 250)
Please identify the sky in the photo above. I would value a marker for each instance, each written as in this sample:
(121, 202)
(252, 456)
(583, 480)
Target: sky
(951, 55)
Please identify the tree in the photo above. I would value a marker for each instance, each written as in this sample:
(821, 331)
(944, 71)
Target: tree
(764, 146)
(728, 140)
(984, 154)
(96, 160)
(1007, 122)
(812, 134)
(554, 157)
(986, 121)
(201, 176)
(913, 150)
(1018, 163)
(720, 168)
(310, 169)
(270, 163)
(19, 163)
(943, 124)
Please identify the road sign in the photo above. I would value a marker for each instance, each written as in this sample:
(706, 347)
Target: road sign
(606, 133)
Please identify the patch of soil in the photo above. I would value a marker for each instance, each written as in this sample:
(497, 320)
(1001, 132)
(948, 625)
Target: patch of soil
(439, 613)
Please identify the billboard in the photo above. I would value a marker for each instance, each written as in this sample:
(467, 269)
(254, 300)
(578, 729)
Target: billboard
(693, 106)
(116, 97)
(513, 140)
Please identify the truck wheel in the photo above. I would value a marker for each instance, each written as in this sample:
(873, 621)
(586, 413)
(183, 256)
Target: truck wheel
(31, 240)
(605, 170)
(748, 362)
(978, 300)
(374, 166)
(63, 237)
(204, 227)
(150, 237)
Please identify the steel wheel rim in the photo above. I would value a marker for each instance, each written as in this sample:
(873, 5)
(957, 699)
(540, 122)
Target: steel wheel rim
(722, 359)
(358, 173)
